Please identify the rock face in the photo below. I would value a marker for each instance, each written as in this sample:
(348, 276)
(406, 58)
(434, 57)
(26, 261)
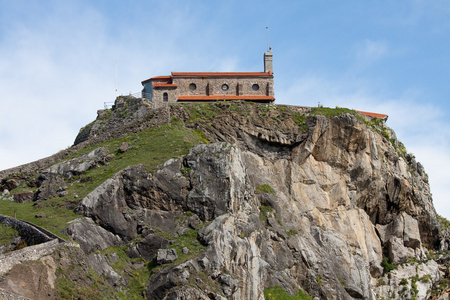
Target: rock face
(317, 209)
(328, 205)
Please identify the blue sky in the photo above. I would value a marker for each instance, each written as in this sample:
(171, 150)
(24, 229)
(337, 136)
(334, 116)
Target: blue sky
(58, 63)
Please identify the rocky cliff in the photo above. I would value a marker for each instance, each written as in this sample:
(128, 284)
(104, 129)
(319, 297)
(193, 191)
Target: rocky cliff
(321, 203)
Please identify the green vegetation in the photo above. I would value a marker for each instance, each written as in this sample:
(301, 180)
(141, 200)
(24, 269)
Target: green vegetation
(278, 293)
(52, 214)
(7, 233)
(291, 232)
(387, 266)
(188, 240)
(443, 222)
(264, 212)
(331, 112)
(265, 188)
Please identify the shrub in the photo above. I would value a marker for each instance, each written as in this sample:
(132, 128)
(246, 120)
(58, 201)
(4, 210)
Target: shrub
(265, 188)
(387, 266)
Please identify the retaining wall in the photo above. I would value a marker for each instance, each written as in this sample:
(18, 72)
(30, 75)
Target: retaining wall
(32, 233)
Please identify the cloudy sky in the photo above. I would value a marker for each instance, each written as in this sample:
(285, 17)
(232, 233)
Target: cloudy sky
(58, 63)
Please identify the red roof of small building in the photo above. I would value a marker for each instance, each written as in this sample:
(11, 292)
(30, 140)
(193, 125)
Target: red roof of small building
(224, 97)
(158, 78)
(373, 115)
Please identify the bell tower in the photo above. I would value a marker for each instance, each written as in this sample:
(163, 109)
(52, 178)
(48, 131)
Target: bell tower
(268, 61)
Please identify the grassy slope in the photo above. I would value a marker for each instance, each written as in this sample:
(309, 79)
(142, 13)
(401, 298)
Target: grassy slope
(150, 147)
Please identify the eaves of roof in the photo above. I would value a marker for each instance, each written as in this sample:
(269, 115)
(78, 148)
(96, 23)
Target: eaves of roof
(222, 74)
(224, 97)
(163, 84)
(373, 115)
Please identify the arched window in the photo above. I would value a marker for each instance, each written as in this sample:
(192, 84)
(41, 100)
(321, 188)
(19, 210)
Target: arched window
(166, 97)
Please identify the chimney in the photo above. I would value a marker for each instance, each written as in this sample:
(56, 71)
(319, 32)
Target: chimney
(268, 61)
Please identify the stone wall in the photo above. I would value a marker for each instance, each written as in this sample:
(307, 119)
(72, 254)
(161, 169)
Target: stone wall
(236, 86)
(9, 260)
(32, 233)
(44, 242)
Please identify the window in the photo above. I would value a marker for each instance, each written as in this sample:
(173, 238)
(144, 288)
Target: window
(192, 86)
(225, 87)
(255, 87)
(165, 97)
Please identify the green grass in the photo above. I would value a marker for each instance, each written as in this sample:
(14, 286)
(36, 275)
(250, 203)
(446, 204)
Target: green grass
(51, 214)
(188, 240)
(331, 112)
(278, 293)
(265, 188)
(138, 277)
(7, 233)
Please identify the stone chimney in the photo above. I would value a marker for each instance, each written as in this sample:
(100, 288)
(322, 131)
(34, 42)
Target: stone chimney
(268, 61)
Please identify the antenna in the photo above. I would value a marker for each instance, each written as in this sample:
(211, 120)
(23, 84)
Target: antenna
(267, 37)
(116, 78)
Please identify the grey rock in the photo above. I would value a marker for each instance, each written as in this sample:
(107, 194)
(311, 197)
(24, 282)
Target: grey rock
(49, 187)
(23, 197)
(398, 253)
(166, 256)
(194, 221)
(81, 164)
(91, 236)
(411, 234)
(148, 247)
(124, 147)
(229, 284)
(187, 292)
(9, 184)
(100, 265)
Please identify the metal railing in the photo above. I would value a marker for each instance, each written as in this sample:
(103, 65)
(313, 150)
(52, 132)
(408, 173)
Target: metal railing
(109, 104)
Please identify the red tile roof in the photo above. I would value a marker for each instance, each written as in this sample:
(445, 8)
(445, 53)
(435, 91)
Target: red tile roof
(158, 78)
(222, 74)
(373, 115)
(224, 97)
(163, 84)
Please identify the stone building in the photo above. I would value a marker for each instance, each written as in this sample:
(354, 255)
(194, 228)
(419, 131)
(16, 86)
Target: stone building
(212, 86)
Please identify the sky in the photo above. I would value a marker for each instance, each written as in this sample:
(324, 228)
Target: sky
(60, 61)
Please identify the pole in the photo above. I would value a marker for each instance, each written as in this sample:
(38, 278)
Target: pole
(267, 37)
(116, 78)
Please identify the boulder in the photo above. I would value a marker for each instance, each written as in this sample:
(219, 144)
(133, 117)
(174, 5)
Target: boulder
(166, 256)
(148, 247)
(411, 233)
(24, 197)
(229, 284)
(81, 164)
(91, 236)
(124, 147)
(50, 186)
(397, 252)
